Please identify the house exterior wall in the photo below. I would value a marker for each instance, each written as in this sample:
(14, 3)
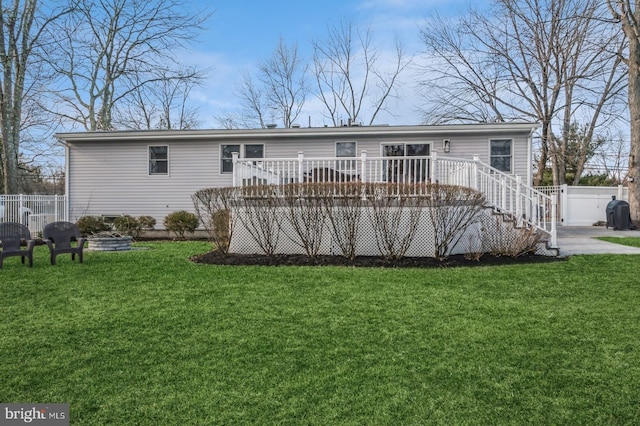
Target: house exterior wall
(108, 171)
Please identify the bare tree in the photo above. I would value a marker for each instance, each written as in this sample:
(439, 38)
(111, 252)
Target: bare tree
(22, 24)
(254, 109)
(283, 76)
(627, 14)
(276, 93)
(351, 81)
(110, 49)
(162, 104)
(555, 62)
(612, 159)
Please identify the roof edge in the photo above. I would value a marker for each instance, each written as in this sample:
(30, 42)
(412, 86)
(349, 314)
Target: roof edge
(208, 134)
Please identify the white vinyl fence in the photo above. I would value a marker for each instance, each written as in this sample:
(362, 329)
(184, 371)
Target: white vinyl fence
(33, 211)
(584, 205)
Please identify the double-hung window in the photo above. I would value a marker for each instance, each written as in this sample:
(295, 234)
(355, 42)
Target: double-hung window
(158, 160)
(244, 151)
(501, 154)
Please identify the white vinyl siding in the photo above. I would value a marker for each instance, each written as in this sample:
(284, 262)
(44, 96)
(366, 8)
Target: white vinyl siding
(110, 177)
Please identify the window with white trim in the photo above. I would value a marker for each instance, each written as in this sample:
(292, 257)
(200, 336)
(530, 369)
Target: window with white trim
(501, 154)
(346, 149)
(407, 169)
(244, 151)
(159, 160)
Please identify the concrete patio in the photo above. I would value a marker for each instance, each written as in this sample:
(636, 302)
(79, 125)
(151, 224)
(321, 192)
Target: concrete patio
(582, 240)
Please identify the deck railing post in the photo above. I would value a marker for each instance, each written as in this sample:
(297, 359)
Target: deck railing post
(300, 166)
(518, 199)
(476, 160)
(503, 183)
(234, 160)
(434, 166)
(363, 166)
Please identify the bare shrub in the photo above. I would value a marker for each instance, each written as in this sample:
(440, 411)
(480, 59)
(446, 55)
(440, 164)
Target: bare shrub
(260, 215)
(343, 208)
(395, 212)
(501, 238)
(306, 214)
(452, 209)
(213, 207)
(475, 246)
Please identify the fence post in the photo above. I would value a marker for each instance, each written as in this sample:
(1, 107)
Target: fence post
(554, 212)
(363, 168)
(564, 204)
(234, 160)
(620, 192)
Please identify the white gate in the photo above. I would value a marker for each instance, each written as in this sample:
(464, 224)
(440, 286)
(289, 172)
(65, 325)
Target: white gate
(584, 205)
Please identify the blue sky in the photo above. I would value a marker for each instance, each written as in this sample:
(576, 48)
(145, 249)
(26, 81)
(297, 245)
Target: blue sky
(241, 33)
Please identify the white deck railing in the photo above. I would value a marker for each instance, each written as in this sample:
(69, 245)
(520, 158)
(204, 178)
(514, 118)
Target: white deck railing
(34, 211)
(505, 193)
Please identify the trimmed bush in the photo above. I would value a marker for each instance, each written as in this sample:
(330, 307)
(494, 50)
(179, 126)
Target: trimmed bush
(147, 222)
(128, 225)
(90, 225)
(181, 222)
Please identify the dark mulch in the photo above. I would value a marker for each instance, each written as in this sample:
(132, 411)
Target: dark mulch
(215, 258)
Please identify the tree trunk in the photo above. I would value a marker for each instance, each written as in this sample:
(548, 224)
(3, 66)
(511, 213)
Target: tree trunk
(634, 112)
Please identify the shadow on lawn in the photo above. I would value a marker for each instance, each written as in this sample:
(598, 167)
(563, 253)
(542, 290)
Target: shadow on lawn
(215, 258)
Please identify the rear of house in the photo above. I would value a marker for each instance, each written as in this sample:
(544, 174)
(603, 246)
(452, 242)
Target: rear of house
(155, 173)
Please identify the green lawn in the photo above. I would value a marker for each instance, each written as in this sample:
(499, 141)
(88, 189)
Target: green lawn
(148, 338)
(625, 241)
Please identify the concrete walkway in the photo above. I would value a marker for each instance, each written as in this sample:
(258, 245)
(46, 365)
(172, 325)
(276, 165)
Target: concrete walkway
(581, 240)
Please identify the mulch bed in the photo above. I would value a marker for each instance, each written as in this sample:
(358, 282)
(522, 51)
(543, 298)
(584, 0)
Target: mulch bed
(215, 258)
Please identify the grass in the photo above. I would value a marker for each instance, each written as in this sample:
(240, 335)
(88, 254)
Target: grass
(146, 338)
(625, 241)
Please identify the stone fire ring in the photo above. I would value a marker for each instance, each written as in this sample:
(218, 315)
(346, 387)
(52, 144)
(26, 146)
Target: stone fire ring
(109, 243)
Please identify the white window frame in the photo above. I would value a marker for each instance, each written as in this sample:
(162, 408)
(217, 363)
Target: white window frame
(241, 154)
(510, 156)
(149, 160)
(343, 165)
(394, 172)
